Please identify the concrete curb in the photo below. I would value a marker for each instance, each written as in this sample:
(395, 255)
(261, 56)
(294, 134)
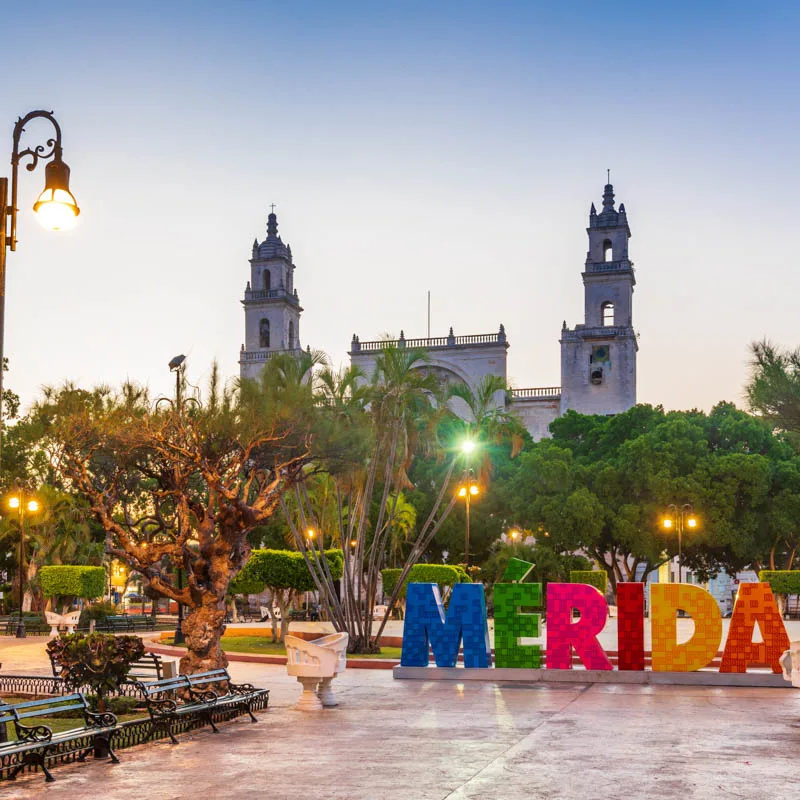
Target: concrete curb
(490, 675)
(250, 658)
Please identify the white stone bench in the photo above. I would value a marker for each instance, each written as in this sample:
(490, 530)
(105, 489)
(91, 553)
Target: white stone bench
(270, 613)
(379, 612)
(56, 621)
(790, 664)
(315, 664)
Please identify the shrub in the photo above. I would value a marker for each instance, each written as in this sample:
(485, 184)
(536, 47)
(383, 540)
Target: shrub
(97, 611)
(782, 581)
(116, 705)
(99, 660)
(281, 569)
(69, 581)
(593, 577)
(443, 574)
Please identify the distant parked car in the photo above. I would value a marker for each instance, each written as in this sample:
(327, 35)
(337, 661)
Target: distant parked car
(133, 597)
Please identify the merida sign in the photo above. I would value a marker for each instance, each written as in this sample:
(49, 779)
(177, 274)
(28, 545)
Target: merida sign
(429, 627)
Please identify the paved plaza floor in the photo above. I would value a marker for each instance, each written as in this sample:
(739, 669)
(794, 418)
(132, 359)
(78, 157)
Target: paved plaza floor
(417, 740)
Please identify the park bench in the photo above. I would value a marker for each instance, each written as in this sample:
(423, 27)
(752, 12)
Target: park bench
(113, 624)
(34, 624)
(36, 743)
(142, 622)
(125, 623)
(170, 699)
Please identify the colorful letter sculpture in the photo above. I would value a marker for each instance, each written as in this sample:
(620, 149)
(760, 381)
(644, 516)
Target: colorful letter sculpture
(699, 651)
(427, 625)
(754, 604)
(563, 634)
(510, 623)
(630, 626)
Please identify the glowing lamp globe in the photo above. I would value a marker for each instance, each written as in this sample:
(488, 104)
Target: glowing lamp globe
(56, 208)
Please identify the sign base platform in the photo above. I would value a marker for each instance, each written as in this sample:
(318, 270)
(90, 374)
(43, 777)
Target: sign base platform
(703, 677)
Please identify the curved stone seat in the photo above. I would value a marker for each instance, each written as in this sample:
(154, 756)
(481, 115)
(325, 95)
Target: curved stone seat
(315, 664)
(790, 664)
(56, 621)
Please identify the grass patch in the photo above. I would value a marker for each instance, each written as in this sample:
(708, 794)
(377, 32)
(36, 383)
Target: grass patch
(265, 646)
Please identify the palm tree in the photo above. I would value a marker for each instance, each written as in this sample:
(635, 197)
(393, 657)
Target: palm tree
(380, 425)
(401, 527)
(490, 422)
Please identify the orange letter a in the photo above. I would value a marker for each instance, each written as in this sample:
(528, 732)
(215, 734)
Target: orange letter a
(754, 604)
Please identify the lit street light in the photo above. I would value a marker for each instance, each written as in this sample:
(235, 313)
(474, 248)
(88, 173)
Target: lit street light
(23, 504)
(679, 518)
(466, 491)
(55, 208)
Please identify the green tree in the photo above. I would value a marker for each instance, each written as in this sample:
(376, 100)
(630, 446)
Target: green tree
(774, 387)
(285, 574)
(602, 484)
(182, 484)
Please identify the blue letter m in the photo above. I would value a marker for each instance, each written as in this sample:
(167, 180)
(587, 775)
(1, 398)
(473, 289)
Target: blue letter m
(426, 625)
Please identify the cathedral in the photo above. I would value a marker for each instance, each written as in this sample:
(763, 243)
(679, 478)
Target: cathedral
(598, 356)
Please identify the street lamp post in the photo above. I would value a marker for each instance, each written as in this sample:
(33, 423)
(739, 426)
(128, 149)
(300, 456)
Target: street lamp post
(679, 517)
(467, 490)
(55, 207)
(178, 365)
(22, 503)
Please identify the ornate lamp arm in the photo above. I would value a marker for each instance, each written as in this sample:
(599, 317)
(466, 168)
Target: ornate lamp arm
(43, 151)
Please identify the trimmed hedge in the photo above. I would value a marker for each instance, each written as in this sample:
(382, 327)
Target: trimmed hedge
(781, 581)
(593, 577)
(281, 569)
(69, 581)
(443, 574)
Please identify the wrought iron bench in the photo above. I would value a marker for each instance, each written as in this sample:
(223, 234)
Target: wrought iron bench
(142, 622)
(37, 743)
(126, 623)
(34, 624)
(170, 699)
(114, 624)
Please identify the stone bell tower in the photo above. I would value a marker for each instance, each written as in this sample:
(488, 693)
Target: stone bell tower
(598, 358)
(271, 305)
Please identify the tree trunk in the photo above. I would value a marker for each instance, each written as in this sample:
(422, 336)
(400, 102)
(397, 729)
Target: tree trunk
(203, 628)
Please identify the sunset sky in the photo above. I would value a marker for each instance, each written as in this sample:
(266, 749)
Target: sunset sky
(451, 147)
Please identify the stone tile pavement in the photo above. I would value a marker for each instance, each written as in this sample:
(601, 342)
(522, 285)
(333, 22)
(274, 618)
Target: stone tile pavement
(434, 740)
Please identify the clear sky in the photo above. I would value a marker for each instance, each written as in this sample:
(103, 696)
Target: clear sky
(451, 147)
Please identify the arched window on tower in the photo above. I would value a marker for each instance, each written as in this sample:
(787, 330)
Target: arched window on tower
(607, 314)
(608, 251)
(263, 333)
(267, 279)
(291, 335)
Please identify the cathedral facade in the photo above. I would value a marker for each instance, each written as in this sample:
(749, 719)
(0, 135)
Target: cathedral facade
(598, 356)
